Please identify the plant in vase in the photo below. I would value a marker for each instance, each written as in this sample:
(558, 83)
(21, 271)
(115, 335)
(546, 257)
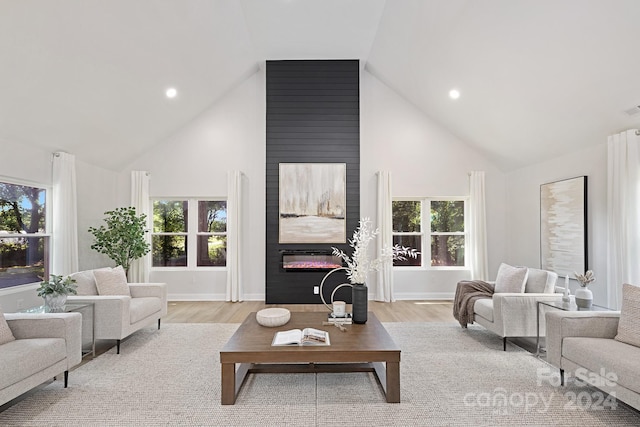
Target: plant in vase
(123, 238)
(55, 291)
(359, 264)
(584, 296)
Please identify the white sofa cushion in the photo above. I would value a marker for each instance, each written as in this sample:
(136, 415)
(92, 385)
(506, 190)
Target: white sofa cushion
(5, 332)
(629, 325)
(598, 354)
(484, 307)
(511, 279)
(143, 307)
(112, 282)
(540, 281)
(27, 357)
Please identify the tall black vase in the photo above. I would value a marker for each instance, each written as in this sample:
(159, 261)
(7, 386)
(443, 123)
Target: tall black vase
(359, 299)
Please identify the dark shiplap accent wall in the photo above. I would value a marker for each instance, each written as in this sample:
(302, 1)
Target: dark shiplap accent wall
(313, 116)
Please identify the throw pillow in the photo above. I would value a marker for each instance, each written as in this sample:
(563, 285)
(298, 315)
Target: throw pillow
(86, 282)
(540, 281)
(112, 281)
(629, 324)
(5, 332)
(511, 279)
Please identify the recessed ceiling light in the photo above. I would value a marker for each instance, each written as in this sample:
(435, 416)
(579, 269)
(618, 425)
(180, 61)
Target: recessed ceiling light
(454, 94)
(171, 93)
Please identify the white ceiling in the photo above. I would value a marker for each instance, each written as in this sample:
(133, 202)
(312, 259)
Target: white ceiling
(539, 78)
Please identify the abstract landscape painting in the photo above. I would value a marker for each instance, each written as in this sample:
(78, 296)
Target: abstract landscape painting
(312, 203)
(563, 233)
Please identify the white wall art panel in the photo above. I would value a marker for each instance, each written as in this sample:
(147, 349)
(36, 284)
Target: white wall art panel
(563, 233)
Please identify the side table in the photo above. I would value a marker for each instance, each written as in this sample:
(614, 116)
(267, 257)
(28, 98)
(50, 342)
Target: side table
(88, 322)
(564, 306)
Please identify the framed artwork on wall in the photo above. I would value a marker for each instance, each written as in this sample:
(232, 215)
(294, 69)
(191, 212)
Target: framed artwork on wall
(563, 226)
(312, 203)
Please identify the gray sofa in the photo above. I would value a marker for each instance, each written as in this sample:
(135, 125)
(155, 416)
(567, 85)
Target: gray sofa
(118, 316)
(45, 345)
(582, 344)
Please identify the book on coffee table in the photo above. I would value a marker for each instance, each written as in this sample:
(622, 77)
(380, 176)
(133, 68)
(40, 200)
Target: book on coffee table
(306, 336)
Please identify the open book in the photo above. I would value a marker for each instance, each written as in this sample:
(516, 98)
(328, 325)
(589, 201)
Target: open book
(306, 336)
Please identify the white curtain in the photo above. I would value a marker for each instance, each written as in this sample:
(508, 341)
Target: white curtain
(234, 236)
(477, 227)
(139, 269)
(384, 287)
(64, 215)
(623, 214)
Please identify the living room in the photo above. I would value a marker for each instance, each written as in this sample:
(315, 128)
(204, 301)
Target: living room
(535, 107)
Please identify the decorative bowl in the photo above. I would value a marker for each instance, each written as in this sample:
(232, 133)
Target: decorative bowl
(272, 317)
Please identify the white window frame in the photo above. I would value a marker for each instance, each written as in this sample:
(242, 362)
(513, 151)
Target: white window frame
(47, 224)
(191, 234)
(426, 233)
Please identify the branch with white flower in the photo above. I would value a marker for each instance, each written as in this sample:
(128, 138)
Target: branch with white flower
(359, 265)
(585, 278)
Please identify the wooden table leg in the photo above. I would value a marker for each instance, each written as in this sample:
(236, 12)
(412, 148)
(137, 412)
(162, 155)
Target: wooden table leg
(228, 384)
(393, 382)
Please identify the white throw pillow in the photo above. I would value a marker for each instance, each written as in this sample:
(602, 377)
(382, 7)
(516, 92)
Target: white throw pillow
(540, 281)
(511, 279)
(629, 324)
(5, 332)
(111, 281)
(86, 282)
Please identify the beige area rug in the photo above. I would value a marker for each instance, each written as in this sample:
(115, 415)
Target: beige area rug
(449, 376)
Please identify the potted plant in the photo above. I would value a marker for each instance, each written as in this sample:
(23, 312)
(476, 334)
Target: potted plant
(122, 239)
(55, 291)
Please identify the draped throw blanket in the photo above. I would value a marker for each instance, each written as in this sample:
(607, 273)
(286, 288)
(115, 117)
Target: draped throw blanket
(467, 293)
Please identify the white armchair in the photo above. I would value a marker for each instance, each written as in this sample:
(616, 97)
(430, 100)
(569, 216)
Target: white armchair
(118, 316)
(45, 346)
(513, 314)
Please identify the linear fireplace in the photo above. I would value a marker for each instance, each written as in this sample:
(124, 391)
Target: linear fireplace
(306, 260)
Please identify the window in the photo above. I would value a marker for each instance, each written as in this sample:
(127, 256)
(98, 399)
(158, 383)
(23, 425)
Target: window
(212, 234)
(407, 229)
(435, 224)
(24, 242)
(176, 242)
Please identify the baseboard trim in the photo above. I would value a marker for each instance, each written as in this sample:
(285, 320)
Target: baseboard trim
(261, 297)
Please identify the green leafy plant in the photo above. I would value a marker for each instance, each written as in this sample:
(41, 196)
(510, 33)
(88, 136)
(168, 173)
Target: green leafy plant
(57, 285)
(122, 239)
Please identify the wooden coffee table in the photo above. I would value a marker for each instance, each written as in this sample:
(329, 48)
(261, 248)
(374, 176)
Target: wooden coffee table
(362, 348)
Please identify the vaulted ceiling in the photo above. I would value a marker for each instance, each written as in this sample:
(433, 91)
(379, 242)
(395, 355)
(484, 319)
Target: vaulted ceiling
(538, 78)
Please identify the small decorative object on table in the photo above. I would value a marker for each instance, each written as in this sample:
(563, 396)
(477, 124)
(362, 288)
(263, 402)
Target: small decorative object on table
(272, 317)
(584, 296)
(359, 265)
(55, 291)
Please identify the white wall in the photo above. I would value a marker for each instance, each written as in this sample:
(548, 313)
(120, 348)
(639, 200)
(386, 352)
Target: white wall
(424, 160)
(523, 211)
(97, 190)
(193, 162)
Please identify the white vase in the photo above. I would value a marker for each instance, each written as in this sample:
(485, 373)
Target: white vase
(584, 297)
(55, 302)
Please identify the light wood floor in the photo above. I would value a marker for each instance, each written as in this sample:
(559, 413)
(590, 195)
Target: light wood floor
(230, 312)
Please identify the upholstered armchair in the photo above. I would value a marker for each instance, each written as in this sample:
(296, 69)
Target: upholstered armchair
(120, 308)
(511, 312)
(39, 347)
